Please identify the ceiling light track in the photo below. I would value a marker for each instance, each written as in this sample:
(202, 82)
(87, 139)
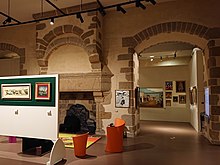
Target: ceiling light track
(18, 22)
(52, 4)
(74, 13)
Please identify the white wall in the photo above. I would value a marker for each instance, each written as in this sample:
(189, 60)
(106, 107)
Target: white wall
(196, 80)
(156, 77)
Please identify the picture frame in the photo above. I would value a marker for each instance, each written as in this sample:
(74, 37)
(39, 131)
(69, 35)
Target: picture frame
(180, 86)
(175, 99)
(182, 99)
(16, 91)
(137, 97)
(42, 90)
(151, 97)
(168, 85)
(122, 98)
(168, 95)
(168, 103)
(194, 95)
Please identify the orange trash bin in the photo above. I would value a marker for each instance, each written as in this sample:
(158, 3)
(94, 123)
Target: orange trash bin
(80, 142)
(115, 136)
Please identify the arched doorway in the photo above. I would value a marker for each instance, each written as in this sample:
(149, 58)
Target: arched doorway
(164, 68)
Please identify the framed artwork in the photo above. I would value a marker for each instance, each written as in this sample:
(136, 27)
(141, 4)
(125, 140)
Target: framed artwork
(151, 97)
(194, 95)
(16, 91)
(168, 85)
(122, 99)
(182, 99)
(42, 91)
(175, 99)
(168, 95)
(190, 96)
(168, 103)
(137, 97)
(181, 86)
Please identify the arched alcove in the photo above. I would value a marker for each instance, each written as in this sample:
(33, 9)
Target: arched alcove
(69, 59)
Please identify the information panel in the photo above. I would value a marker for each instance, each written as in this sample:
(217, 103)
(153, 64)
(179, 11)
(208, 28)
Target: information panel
(29, 106)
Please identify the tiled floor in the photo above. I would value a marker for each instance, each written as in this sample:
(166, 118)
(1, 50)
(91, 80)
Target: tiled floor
(159, 143)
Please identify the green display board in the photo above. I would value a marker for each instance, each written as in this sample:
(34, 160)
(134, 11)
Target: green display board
(32, 83)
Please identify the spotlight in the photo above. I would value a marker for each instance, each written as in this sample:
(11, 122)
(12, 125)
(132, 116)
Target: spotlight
(8, 20)
(101, 8)
(151, 59)
(139, 4)
(52, 21)
(102, 11)
(79, 16)
(161, 58)
(174, 55)
(119, 8)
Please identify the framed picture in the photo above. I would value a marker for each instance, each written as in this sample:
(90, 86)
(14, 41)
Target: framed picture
(16, 91)
(168, 95)
(137, 97)
(151, 97)
(168, 85)
(181, 86)
(182, 99)
(168, 103)
(194, 95)
(175, 99)
(122, 99)
(42, 91)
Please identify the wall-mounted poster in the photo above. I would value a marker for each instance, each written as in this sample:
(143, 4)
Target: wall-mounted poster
(168, 85)
(122, 98)
(42, 91)
(175, 99)
(168, 95)
(180, 86)
(16, 91)
(151, 97)
(182, 99)
(168, 103)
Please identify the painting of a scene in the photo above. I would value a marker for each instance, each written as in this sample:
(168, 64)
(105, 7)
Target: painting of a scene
(151, 97)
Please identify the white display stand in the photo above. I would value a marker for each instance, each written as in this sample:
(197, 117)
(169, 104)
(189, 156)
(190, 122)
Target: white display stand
(34, 121)
(57, 153)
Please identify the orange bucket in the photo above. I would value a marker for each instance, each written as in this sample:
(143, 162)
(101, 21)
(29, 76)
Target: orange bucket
(80, 142)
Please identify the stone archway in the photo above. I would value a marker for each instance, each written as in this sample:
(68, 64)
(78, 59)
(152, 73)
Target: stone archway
(68, 34)
(19, 51)
(203, 36)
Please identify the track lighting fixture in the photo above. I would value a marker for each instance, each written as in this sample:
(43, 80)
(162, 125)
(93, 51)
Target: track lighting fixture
(8, 20)
(161, 58)
(52, 21)
(79, 16)
(101, 8)
(139, 4)
(174, 55)
(119, 8)
(152, 1)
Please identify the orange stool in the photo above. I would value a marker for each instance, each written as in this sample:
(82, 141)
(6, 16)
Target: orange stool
(115, 136)
(80, 142)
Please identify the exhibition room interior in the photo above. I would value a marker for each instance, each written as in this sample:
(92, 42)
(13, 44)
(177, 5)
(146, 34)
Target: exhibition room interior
(72, 67)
